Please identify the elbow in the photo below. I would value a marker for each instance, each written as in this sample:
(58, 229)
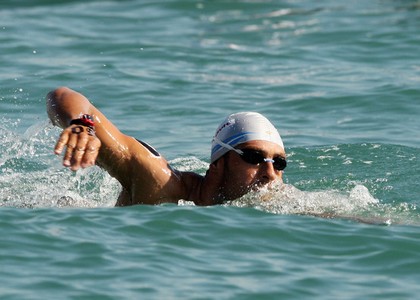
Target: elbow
(57, 94)
(64, 104)
(54, 101)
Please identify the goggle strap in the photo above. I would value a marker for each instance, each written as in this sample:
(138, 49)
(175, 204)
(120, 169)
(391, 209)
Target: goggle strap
(227, 146)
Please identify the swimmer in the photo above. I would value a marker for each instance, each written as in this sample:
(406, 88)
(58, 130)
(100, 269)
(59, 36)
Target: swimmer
(247, 154)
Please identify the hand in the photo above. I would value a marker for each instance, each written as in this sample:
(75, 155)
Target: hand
(82, 147)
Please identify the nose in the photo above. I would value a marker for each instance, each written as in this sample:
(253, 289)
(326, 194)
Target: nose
(267, 171)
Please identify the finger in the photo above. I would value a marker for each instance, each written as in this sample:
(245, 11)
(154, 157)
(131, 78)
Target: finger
(91, 153)
(79, 151)
(62, 141)
(76, 158)
(71, 145)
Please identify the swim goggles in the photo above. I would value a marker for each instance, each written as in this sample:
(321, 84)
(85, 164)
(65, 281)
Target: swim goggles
(255, 157)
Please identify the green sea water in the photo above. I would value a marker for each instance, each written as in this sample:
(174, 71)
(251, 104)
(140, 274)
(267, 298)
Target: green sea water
(339, 79)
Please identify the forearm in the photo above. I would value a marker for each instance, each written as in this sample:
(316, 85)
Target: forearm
(64, 105)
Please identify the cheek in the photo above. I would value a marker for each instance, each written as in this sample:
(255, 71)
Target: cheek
(248, 176)
(242, 174)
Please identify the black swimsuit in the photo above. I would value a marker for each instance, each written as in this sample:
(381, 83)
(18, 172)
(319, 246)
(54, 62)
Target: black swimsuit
(148, 147)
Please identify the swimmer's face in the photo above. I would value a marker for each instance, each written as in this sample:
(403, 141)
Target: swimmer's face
(240, 177)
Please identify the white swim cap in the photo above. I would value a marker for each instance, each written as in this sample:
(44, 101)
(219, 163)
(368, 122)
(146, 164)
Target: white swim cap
(240, 128)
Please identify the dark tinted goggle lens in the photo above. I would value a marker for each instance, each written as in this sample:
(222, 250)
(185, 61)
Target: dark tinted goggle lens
(279, 163)
(255, 157)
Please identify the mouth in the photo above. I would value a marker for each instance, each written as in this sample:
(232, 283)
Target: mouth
(265, 185)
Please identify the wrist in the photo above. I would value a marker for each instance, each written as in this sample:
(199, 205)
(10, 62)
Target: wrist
(87, 121)
(84, 120)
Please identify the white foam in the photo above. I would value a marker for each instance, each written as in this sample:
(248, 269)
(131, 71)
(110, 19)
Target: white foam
(287, 199)
(32, 176)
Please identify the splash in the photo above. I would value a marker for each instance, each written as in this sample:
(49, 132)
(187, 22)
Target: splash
(31, 176)
(357, 205)
(287, 199)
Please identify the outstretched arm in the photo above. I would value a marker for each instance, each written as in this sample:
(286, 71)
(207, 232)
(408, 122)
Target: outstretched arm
(145, 177)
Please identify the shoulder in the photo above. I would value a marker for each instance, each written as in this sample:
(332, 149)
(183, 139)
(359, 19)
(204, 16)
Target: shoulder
(150, 179)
